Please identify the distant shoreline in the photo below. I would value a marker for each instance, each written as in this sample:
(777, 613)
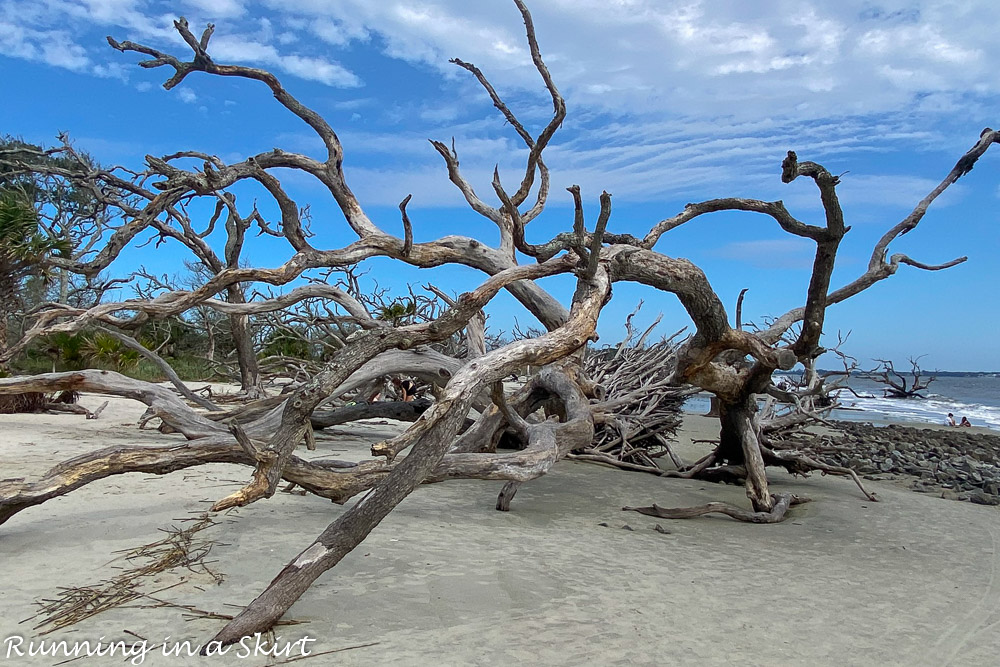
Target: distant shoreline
(928, 373)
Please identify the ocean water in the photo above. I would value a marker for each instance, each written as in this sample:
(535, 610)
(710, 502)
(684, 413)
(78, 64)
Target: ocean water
(977, 398)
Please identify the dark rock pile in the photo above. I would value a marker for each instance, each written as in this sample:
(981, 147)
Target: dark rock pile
(954, 462)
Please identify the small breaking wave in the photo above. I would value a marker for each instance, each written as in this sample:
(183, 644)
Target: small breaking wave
(933, 410)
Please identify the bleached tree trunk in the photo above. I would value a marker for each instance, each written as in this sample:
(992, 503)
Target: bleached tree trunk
(210, 334)
(246, 354)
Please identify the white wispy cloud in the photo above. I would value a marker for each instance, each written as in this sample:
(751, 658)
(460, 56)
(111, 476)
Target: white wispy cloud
(187, 95)
(886, 190)
(52, 47)
(692, 57)
(714, 57)
(26, 31)
(237, 48)
(700, 98)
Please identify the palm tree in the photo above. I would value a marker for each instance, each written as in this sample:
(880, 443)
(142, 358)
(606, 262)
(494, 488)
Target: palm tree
(397, 312)
(22, 249)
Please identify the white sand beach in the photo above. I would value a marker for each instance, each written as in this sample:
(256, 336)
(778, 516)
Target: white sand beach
(447, 580)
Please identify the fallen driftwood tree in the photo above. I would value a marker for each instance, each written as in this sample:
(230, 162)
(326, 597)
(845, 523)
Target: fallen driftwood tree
(558, 410)
(898, 385)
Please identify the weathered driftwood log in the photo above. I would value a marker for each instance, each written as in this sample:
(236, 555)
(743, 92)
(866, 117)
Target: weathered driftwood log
(76, 408)
(421, 362)
(333, 479)
(329, 478)
(162, 402)
(401, 410)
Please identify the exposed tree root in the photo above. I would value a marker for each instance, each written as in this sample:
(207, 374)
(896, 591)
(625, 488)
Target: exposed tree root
(801, 464)
(780, 504)
(593, 456)
(794, 462)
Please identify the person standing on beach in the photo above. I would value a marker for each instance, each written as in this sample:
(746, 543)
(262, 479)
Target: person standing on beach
(950, 421)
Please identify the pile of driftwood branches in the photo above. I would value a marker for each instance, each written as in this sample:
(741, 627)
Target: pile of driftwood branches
(38, 401)
(29, 401)
(641, 404)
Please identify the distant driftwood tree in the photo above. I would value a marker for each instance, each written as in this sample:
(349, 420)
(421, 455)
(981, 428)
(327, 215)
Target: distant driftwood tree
(898, 385)
(734, 364)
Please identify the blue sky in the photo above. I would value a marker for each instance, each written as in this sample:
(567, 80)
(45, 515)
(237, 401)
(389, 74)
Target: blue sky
(669, 103)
